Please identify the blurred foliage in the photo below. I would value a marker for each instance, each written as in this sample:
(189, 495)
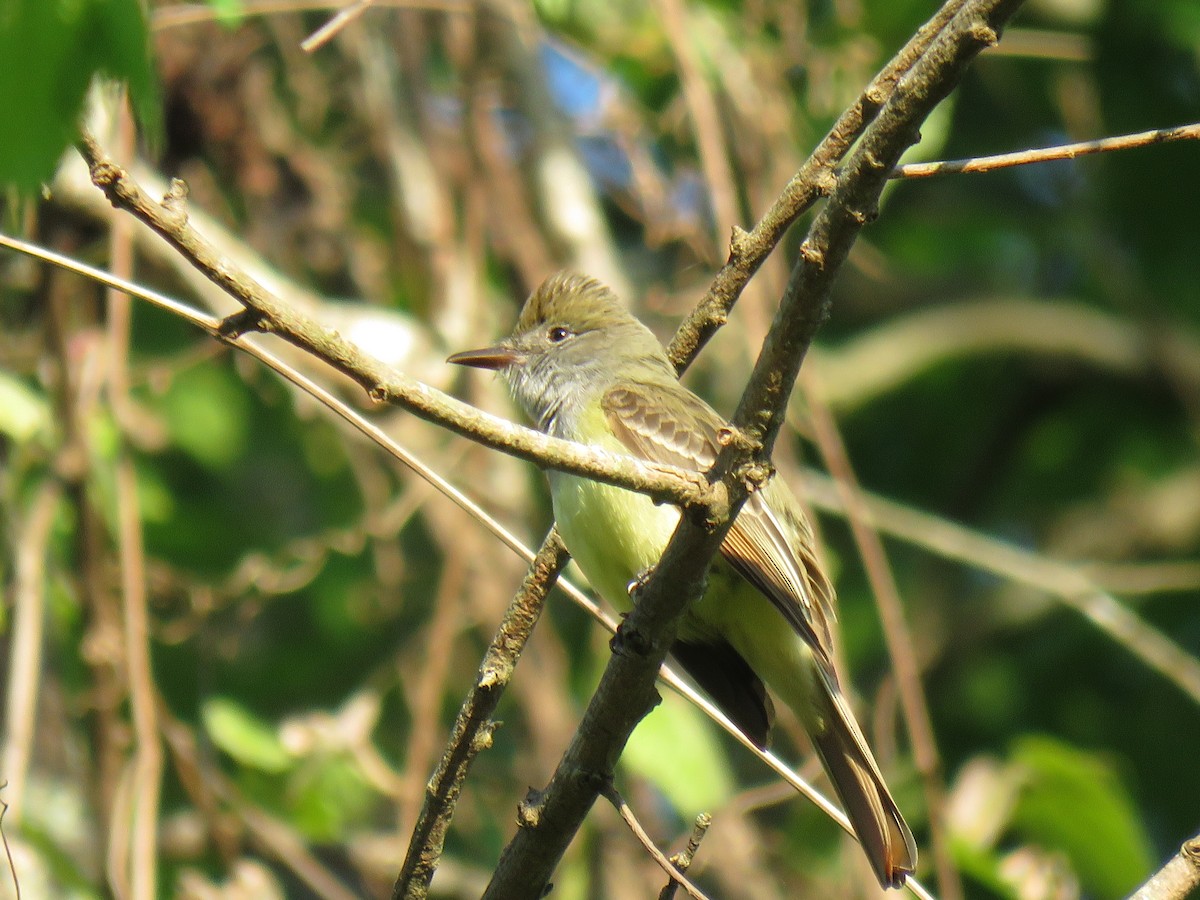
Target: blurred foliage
(49, 52)
(317, 614)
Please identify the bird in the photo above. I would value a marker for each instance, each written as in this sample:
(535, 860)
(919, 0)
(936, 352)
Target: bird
(585, 369)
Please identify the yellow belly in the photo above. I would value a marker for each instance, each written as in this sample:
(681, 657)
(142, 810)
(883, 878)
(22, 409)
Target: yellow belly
(617, 535)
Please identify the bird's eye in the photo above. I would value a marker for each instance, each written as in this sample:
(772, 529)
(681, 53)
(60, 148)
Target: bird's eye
(558, 334)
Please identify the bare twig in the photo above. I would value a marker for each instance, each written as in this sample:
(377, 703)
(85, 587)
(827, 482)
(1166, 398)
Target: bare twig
(1178, 878)
(12, 866)
(325, 33)
(1049, 154)
(613, 796)
(147, 768)
(682, 861)
(164, 17)
(472, 730)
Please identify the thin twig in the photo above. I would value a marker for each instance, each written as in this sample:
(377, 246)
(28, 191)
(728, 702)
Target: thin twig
(25, 648)
(682, 861)
(147, 770)
(164, 17)
(613, 796)
(12, 866)
(325, 33)
(1048, 154)
(472, 730)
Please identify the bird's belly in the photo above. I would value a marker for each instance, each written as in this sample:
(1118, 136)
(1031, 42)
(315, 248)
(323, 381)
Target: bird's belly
(616, 535)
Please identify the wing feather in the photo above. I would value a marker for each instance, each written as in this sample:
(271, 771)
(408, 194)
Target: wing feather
(770, 543)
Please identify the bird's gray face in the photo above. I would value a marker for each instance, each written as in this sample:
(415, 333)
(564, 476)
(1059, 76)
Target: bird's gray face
(573, 341)
(556, 366)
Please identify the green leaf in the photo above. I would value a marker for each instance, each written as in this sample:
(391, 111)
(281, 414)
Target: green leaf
(49, 52)
(1072, 801)
(676, 749)
(244, 736)
(328, 795)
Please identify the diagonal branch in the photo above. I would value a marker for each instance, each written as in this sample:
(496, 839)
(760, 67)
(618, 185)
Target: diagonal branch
(749, 249)
(263, 311)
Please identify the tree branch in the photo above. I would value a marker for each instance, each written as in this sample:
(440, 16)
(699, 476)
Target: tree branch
(749, 249)
(472, 730)
(613, 796)
(1178, 878)
(1048, 154)
(266, 312)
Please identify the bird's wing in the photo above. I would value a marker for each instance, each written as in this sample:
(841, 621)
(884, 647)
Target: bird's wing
(770, 543)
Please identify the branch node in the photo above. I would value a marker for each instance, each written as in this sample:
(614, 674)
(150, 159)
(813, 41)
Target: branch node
(492, 675)
(872, 159)
(739, 246)
(1191, 849)
(629, 641)
(729, 436)
(755, 475)
(863, 216)
(873, 98)
(234, 326)
(483, 739)
(529, 810)
(984, 34)
(812, 254)
(174, 203)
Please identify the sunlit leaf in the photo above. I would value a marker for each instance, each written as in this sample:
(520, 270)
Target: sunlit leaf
(1073, 801)
(244, 736)
(675, 748)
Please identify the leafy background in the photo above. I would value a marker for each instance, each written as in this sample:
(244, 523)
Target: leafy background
(1017, 352)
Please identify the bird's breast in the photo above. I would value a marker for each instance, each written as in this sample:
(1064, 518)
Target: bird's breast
(614, 535)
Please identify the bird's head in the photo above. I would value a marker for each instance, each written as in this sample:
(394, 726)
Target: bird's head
(573, 340)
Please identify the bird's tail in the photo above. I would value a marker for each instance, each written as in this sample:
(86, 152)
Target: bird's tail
(882, 831)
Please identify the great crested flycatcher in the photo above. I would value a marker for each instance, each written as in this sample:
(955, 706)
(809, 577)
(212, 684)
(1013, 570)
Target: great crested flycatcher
(586, 370)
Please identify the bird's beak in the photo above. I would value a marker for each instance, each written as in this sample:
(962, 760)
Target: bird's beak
(497, 357)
